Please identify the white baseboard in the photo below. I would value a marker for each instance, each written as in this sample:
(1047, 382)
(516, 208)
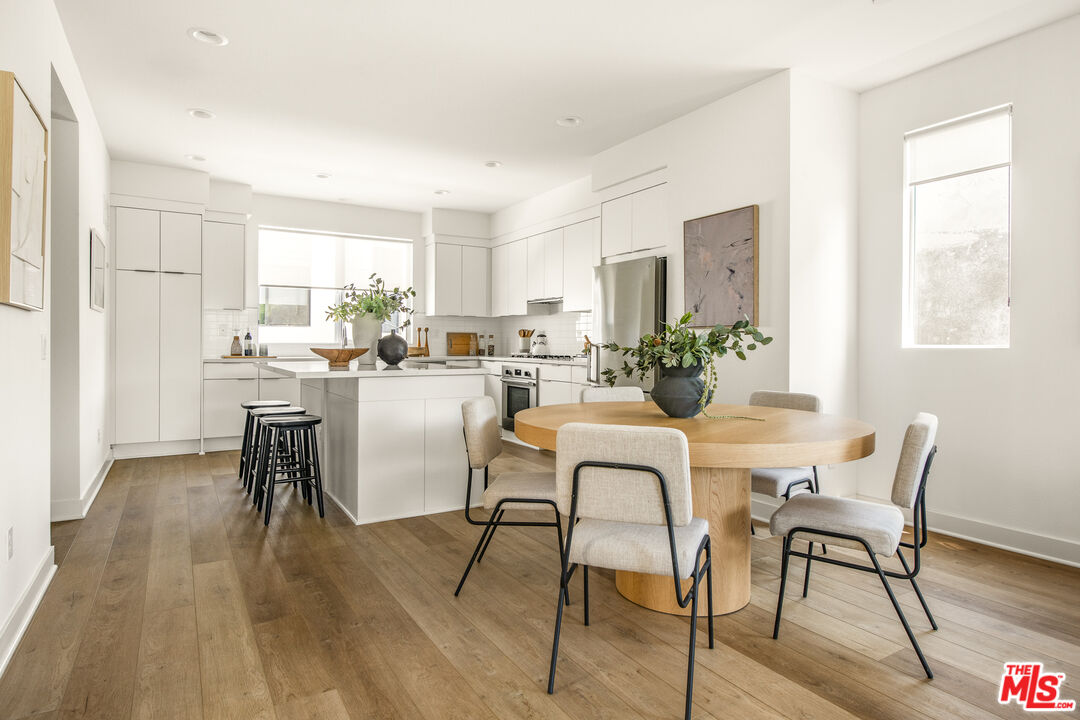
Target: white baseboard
(174, 447)
(15, 625)
(76, 509)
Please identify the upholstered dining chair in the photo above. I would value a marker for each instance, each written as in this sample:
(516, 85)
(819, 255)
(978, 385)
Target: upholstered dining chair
(507, 491)
(779, 482)
(626, 492)
(873, 527)
(623, 393)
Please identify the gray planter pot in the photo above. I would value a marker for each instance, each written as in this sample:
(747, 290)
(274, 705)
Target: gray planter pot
(679, 391)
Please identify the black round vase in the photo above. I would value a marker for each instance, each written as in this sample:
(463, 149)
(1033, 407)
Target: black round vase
(393, 349)
(679, 391)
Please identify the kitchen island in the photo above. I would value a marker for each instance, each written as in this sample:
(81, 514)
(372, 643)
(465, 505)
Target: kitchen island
(391, 441)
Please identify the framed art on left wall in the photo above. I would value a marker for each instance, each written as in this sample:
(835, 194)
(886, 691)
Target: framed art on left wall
(24, 149)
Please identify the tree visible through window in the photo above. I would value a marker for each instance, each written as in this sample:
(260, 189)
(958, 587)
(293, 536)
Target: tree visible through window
(958, 237)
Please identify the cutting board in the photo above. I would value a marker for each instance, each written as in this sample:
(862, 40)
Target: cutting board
(459, 343)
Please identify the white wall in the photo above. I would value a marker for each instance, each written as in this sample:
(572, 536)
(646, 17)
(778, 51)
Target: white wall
(32, 40)
(301, 214)
(1007, 470)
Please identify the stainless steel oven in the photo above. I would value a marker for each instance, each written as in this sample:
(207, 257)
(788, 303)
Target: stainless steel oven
(519, 391)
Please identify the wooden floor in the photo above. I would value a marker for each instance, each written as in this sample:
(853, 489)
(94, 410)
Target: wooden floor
(173, 601)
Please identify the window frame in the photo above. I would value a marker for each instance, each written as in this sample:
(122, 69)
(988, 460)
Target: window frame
(909, 298)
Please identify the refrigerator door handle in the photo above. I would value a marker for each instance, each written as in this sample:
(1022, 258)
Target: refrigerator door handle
(594, 364)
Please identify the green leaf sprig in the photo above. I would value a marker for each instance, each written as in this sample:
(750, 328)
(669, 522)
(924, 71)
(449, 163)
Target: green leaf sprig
(377, 301)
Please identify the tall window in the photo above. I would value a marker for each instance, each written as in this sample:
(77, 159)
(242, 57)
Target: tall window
(301, 274)
(956, 269)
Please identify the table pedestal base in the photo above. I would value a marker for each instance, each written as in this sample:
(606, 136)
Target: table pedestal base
(721, 496)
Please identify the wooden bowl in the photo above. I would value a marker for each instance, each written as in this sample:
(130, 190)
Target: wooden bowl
(339, 357)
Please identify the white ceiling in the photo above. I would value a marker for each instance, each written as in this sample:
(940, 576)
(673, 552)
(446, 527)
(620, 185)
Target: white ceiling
(398, 98)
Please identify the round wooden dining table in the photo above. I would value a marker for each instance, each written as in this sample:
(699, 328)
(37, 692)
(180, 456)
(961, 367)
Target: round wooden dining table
(722, 453)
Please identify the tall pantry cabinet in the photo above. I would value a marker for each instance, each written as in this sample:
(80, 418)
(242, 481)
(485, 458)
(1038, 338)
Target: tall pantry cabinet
(158, 351)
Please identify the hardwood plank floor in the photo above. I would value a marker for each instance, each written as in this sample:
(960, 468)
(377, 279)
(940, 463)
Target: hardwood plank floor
(172, 600)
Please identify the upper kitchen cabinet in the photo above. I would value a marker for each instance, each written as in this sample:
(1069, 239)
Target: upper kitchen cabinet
(499, 267)
(516, 281)
(138, 239)
(535, 266)
(181, 242)
(223, 266)
(457, 279)
(581, 250)
(634, 222)
(545, 265)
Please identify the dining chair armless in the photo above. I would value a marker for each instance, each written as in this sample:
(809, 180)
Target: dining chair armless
(874, 527)
(623, 393)
(508, 490)
(626, 492)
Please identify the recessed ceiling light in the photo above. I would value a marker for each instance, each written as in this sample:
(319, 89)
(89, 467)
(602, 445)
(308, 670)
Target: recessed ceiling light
(442, 192)
(322, 176)
(207, 36)
(569, 121)
(200, 113)
(493, 164)
(196, 158)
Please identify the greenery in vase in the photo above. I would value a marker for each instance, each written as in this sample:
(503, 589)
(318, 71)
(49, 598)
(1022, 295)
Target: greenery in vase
(376, 301)
(681, 345)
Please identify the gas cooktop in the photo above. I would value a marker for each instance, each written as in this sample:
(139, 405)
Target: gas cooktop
(542, 357)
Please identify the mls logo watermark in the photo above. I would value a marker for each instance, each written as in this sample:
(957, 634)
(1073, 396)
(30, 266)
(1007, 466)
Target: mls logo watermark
(1032, 689)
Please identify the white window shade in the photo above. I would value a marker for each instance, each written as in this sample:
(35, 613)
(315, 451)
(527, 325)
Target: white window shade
(976, 142)
(297, 259)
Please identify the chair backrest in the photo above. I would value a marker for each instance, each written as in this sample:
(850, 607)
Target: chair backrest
(624, 393)
(483, 438)
(618, 494)
(918, 441)
(786, 400)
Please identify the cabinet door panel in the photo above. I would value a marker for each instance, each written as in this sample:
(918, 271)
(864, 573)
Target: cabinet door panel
(553, 263)
(552, 392)
(535, 266)
(136, 366)
(581, 244)
(615, 223)
(390, 457)
(498, 280)
(281, 388)
(223, 267)
(475, 280)
(649, 219)
(447, 279)
(138, 239)
(517, 264)
(181, 356)
(444, 457)
(181, 242)
(222, 414)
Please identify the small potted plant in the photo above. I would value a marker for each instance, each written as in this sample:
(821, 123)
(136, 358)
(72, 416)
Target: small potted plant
(367, 310)
(683, 354)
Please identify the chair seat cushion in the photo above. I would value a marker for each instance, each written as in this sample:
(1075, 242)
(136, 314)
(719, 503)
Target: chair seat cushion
(636, 547)
(880, 525)
(533, 485)
(774, 482)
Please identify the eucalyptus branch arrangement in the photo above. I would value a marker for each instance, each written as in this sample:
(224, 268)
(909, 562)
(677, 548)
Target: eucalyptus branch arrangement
(376, 301)
(681, 345)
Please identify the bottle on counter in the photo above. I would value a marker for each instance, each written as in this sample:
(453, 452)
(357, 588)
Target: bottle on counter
(491, 345)
(249, 345)
(481, 349)
(236, 348)
(473, 342)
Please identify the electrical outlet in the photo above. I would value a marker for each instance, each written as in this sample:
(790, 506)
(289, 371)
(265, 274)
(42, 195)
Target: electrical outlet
(11, 542)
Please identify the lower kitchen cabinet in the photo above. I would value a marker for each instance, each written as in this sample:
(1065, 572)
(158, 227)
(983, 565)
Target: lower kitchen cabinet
(222, 414)
(281, 388)
(180, 367)
(138, 321)
(554, 392)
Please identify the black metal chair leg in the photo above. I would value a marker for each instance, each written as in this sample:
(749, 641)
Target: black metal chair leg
(693, 647)
(903, 618)
(476, 551)
(708, 590)
(555, 642)
(558, 530)
(498, 519)
(918, 590)
(585, 581)
(783, 584)
(806, 576)
(752, 531)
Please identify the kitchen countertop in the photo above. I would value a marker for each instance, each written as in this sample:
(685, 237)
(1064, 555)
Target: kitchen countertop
(259, 359)
(316, 369)
(502, 358)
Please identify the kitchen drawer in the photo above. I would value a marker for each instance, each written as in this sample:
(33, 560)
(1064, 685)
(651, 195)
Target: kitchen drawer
(493, 367)
(562, 373)
(227, 371)
(579, 374)
(222, 414)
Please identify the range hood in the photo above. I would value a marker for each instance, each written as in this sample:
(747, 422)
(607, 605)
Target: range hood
(546, 301)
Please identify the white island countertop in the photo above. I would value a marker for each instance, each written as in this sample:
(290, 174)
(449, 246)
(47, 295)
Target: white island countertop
(320, 369)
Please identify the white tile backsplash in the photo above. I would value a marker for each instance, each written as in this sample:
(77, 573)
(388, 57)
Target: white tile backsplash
(566, 331)
(219, 326)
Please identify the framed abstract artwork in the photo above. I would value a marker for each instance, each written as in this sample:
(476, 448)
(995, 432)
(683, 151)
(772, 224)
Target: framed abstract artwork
(97, 272)
(24, 147)
(720, 267)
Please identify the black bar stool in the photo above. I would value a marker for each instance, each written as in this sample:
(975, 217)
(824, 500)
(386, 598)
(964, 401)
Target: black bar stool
(249, 427)
(288, 447)
(256, 414)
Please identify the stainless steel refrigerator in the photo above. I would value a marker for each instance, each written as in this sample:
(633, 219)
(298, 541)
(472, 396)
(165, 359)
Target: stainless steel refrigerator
(629, 300)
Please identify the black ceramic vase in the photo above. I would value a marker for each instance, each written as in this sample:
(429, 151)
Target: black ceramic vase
(679, 391)
(393, 348)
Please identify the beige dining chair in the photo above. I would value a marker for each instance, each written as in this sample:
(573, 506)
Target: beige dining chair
(874, 527)
(623, 393)
(508, 490)
(626, 492)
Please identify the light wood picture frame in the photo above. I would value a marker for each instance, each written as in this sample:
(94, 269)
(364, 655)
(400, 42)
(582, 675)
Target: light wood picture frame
(24, 162)
(720, 267)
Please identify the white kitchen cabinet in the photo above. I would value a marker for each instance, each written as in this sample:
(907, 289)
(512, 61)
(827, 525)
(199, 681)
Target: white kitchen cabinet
(280, 388)
(181, 243)
(535, 266)
(180, 362)
(443, 274)
(222, 415)
(475, 281)
(648, 223)
(499, 267)
(553, 263)
(554, 392)
(223, 266)
(581, 249)
(493, 389)
(138, 239)
(516, 279)
(137, 352)
(444, 457)
(615, 222)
